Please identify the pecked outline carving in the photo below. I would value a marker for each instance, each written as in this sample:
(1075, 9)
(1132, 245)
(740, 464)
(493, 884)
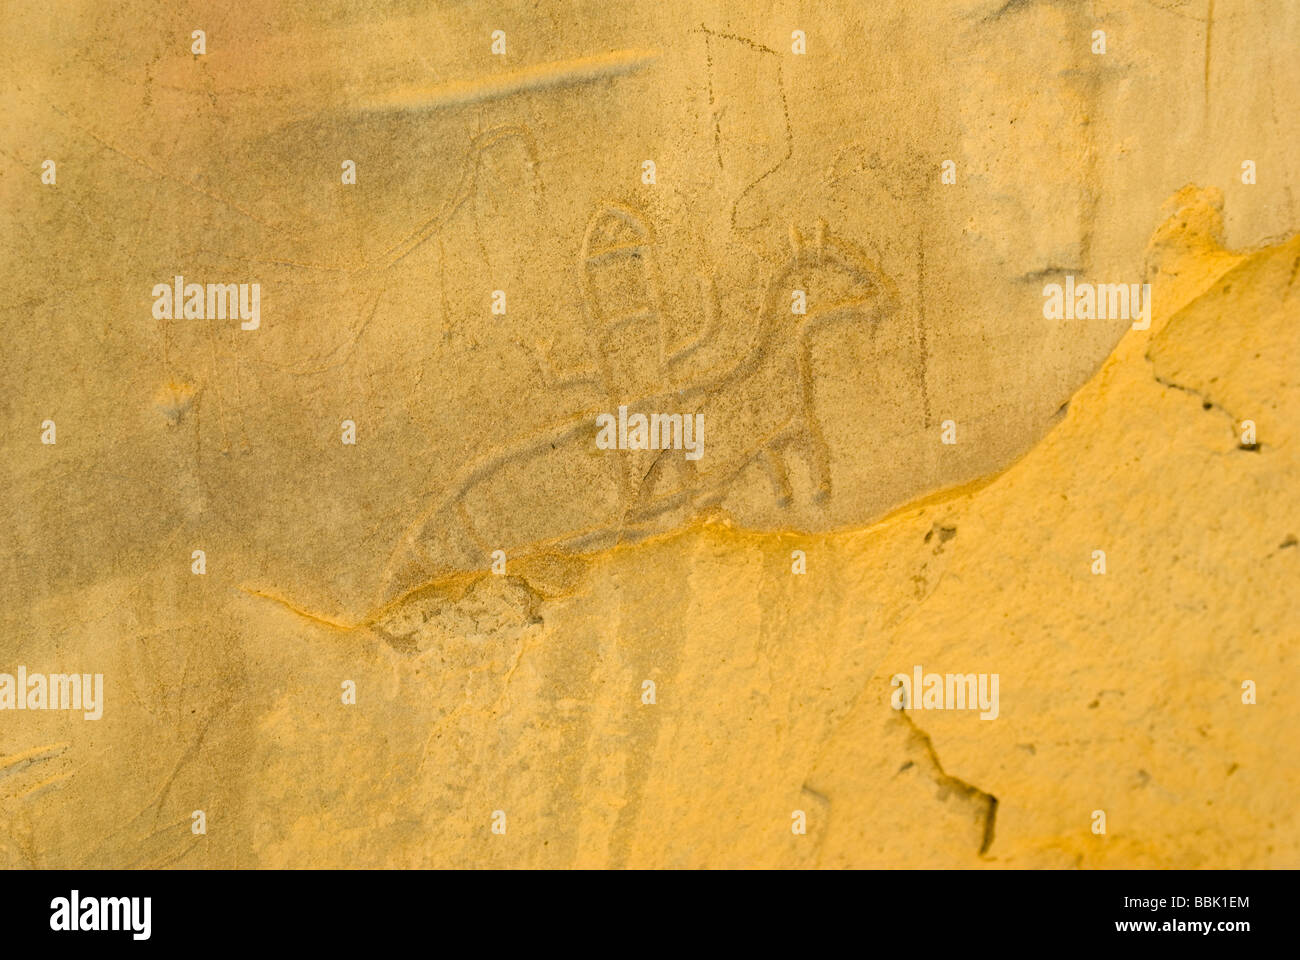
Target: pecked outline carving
(776, 350)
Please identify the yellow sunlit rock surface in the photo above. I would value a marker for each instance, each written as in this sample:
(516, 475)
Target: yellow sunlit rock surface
(473, 637)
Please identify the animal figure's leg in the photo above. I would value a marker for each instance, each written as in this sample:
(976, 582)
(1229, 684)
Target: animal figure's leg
(773, 462)
(819, 450)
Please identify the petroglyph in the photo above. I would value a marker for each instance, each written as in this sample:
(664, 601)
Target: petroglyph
(431, 589)
(761, 408)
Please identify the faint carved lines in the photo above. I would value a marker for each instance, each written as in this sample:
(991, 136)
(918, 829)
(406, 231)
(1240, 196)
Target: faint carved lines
(775, 369)
(542, 76)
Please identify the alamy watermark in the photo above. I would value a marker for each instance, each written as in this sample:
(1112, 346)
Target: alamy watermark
(75, 912)
(214, 301)
(659, 431)
(946, 691)
(1098, 301)
(57, 691)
